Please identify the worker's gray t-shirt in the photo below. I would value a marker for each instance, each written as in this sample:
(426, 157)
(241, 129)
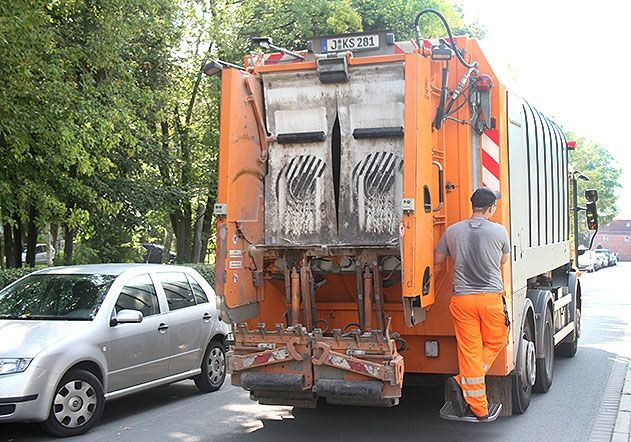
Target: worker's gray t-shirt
(476, 246)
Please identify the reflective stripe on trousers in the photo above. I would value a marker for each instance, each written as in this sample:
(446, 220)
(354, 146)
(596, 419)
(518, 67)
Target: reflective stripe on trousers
(481, 333)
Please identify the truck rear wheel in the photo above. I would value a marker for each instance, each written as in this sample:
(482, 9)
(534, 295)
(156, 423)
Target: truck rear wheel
(525, 376)
(569, 349)
(545, 365)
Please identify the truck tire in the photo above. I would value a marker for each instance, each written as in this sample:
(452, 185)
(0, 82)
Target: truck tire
(569, 349)
(522, 380)
(545, 365)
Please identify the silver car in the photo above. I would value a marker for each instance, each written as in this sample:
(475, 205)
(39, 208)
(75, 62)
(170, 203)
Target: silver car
(72, 338)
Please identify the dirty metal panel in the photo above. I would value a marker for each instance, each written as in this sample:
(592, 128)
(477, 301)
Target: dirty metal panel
(371, 181)
(300, 204)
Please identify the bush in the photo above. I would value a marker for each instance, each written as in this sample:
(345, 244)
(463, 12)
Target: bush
(7, 276)
(207, 271)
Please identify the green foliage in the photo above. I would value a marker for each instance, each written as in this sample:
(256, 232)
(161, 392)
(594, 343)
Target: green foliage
(595, 161)
(207, 271)
(7, 276)
(107, 127)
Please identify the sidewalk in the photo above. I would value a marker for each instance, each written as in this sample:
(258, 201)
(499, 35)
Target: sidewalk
(622, 428)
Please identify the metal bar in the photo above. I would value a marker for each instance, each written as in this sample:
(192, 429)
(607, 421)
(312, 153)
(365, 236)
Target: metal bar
(378, 132)
(295, 297)
(367, 300)
(301, 137)
(312, 296)
(563, 332)
(376, 270)
(288, 292)
(306, 296)
(359, 283)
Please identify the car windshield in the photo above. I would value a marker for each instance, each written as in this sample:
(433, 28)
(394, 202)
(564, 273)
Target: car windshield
(54, 297)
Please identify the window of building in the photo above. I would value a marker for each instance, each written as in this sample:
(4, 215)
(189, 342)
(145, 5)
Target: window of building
(628, 224)
(605, 238)
(627, 238)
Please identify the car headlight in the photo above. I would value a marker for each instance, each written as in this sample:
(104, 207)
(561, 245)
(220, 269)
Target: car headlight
(14, 365)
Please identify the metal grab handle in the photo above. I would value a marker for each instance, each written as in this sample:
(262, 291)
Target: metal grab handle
(441, 187)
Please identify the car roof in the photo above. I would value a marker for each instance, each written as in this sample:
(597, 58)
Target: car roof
(107, 269)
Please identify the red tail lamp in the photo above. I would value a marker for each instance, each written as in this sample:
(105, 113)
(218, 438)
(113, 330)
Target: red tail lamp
(483, 83)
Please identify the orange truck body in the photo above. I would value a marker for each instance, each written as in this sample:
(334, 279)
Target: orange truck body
(332, 300)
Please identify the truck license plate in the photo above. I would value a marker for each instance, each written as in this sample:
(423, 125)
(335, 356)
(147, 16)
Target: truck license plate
(357, 42)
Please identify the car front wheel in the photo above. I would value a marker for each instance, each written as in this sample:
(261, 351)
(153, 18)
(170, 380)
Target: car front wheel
(213, 368)
(77, 405)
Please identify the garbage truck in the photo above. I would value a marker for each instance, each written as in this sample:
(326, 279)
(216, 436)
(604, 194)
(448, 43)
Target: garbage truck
(340, 167)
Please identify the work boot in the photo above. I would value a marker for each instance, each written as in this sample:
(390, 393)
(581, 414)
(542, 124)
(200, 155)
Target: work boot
(461, 408)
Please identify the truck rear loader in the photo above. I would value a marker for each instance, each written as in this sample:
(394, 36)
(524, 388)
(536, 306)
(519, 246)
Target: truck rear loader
(339, 169)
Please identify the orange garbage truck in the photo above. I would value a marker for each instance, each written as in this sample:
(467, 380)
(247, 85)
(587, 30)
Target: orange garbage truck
(339, 169)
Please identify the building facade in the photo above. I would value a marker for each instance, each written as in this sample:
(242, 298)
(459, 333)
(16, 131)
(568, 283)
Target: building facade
(616, 236)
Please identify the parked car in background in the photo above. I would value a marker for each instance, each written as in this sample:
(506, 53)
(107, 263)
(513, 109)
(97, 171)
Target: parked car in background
(602, 260)
(587, 261)
(41, 254)
(75, 337)
(605, 256)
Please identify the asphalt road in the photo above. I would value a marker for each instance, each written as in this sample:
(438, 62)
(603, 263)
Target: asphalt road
(566, 413)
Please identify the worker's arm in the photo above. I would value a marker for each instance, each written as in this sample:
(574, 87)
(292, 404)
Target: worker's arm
(505, 257)
(439, 258)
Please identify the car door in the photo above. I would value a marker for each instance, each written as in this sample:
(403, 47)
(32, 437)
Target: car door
(138, 353)
(187, 323)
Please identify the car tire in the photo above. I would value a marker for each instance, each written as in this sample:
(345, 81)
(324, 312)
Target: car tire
(213, 368)
(77, 405)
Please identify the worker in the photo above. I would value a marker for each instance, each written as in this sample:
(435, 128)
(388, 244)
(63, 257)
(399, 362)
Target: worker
(477, 247)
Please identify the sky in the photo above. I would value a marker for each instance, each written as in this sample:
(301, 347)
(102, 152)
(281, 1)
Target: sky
(571, 60)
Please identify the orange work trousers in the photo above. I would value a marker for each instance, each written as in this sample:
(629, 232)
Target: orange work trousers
(481, 333)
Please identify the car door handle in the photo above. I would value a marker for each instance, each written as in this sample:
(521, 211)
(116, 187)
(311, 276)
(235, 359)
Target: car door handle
(163, 327)
(206, 317)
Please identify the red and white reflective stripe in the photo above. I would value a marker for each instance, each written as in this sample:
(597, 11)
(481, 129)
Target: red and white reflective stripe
(490, 153)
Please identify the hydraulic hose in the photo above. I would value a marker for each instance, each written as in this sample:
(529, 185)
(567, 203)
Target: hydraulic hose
(419, 36)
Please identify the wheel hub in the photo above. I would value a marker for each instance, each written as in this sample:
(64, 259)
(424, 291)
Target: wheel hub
(75, 403)
(529, 370)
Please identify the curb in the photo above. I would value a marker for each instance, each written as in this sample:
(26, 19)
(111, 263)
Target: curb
(622, 428)
(613, 421)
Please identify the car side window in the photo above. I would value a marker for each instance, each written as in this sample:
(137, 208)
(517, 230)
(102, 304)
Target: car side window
(198, 291)
(177, 290)
(139, 294)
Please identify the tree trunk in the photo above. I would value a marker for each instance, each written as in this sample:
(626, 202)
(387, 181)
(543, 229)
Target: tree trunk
(166, 253)
(17, 242)
(31, 237)
(197, 235)
(54, 232)
(181, 222)
(68, 245)
(9, 254)
(207, 226)
(50, 254)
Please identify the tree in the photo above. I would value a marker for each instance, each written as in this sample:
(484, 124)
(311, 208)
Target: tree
(595, 161)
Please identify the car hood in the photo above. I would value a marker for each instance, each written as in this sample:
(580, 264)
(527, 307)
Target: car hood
(26, 338)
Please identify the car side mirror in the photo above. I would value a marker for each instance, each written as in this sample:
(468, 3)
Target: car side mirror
(592, 216)
(126, 316)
